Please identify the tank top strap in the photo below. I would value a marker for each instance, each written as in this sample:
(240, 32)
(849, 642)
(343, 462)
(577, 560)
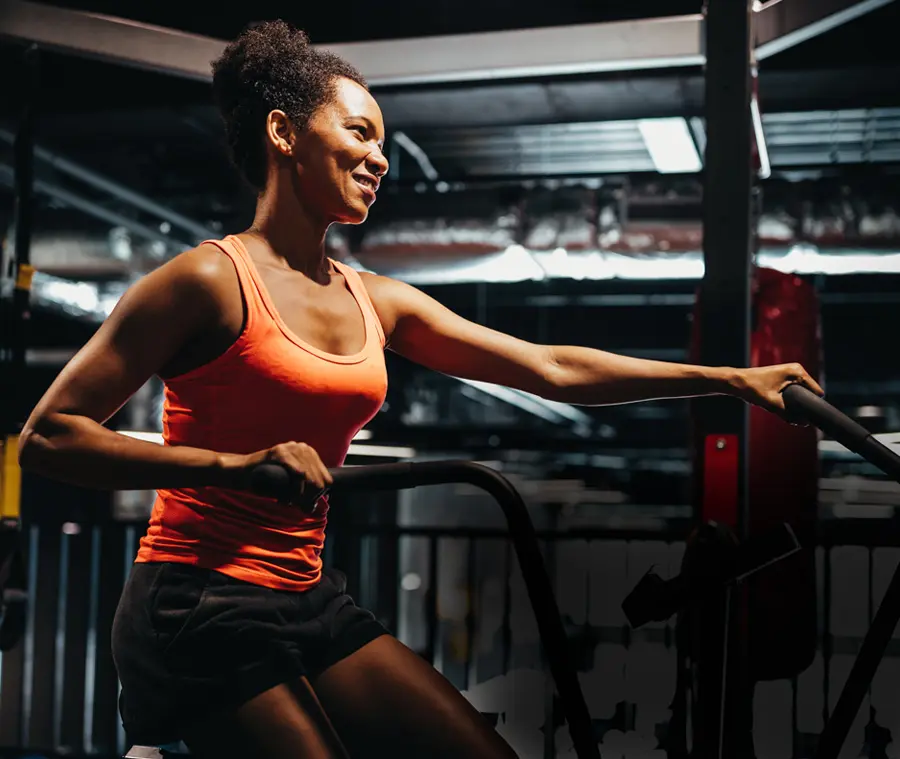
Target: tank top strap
(358, 288)
(253, 301)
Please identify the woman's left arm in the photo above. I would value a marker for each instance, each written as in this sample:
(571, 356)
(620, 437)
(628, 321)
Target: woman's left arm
(424, 331)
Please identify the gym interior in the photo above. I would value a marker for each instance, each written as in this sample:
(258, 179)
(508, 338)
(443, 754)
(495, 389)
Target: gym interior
(684, 181)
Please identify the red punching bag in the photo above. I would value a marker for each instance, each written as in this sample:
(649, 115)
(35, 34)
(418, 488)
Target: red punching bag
(783, 479)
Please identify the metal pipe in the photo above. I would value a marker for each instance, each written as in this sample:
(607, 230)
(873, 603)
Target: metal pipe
(97, 211)
(419, 155)
(780, 26)
(94, 179)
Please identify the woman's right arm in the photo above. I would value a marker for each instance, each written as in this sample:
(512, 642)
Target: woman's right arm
(64, 438)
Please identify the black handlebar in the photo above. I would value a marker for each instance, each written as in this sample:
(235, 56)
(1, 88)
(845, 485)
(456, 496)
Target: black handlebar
(803, 403)
(273, 480)
(800, 402)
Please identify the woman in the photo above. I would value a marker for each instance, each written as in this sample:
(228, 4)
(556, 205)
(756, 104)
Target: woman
(229, 636)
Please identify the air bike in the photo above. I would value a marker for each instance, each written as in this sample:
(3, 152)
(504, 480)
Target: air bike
(653, 598)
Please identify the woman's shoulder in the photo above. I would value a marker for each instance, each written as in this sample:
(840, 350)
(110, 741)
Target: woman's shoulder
(200, 284)
(205, 270)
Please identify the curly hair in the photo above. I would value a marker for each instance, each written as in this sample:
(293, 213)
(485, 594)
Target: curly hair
(270, 66)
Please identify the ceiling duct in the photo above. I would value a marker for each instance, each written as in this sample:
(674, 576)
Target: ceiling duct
(78, 254)
(648, 231)
(439, 231)
(567, 219)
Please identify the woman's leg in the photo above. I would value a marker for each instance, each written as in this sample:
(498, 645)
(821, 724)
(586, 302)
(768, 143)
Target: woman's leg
(386, 701)
(282, 723)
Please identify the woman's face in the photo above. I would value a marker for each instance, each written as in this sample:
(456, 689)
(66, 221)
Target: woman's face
(338, 158)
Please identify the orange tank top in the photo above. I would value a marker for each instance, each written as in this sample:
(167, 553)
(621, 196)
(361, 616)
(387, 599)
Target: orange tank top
(269, 387)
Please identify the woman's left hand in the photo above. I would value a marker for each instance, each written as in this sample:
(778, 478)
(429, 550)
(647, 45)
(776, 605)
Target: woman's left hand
(762, 386)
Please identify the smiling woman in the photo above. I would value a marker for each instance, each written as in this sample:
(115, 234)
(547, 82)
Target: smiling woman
(230, 634)
(316, 111)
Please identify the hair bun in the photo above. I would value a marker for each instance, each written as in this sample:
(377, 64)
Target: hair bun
(271, 65)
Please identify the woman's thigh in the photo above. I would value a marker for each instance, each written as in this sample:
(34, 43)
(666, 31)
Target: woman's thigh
(386, 701)
(281, 723)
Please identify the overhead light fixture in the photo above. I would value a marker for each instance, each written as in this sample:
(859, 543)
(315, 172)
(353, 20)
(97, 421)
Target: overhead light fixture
(670, 145)
(759, 6)
(382, 451)
(765, 167)
(806, 259)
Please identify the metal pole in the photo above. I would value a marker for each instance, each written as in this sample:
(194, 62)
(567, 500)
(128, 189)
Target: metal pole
(726, 697)
(727, 234)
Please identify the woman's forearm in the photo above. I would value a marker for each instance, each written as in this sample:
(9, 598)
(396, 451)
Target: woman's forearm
(588, 377)
(79, 451)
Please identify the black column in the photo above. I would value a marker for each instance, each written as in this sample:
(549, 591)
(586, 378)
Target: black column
(727, 236)
(724, 713)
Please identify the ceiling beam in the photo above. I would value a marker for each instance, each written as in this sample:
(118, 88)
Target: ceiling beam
(552, 51)
(107, 38)
(782, 24)
(642, 44)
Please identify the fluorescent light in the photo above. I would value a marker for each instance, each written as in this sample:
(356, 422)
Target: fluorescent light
(514, 264)
(806, 259)
(670, 145)
(765, 168)
(387, 451)
(759, 6)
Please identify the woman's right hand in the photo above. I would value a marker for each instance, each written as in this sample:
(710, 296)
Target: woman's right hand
(301, 460)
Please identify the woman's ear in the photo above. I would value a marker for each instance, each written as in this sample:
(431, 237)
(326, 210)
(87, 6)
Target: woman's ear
(280, 133)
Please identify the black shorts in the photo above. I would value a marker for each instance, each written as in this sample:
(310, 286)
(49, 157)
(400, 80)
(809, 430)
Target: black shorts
(190, 642)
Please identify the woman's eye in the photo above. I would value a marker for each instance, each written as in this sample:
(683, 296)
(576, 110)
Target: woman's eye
(361, 129)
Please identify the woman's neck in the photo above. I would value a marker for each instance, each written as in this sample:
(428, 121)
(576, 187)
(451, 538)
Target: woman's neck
(294, 239)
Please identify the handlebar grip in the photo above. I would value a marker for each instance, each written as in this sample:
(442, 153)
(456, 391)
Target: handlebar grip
(272, 481)
(799, 401)
(277, 481)
(802, 402)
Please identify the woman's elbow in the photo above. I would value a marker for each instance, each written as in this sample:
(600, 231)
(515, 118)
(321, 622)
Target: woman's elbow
(36, 442)
(30, 453)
